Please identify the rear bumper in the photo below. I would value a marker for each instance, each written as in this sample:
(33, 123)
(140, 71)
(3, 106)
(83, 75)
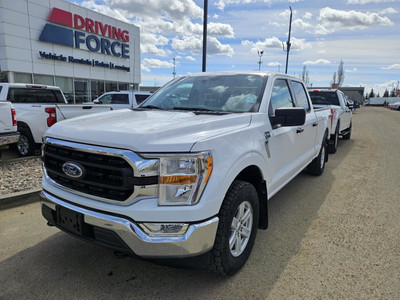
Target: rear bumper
(9, 138)
(126, 236)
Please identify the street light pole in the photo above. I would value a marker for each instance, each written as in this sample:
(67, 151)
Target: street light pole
(260, 53)
(174, 73)
(205, 35)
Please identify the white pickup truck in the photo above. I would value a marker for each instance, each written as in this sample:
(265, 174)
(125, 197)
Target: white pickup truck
(123, 99)
(184, 179)
(341, 111)
(38, 107)
(8, 125)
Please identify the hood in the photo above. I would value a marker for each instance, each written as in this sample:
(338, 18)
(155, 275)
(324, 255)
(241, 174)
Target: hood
(147, 131)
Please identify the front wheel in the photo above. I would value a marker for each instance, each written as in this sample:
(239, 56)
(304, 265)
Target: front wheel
(237, 228)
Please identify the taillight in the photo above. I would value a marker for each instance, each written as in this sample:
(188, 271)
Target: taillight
(52, 119)
(14, 117)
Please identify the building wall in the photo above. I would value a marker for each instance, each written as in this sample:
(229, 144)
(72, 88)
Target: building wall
(21, 26)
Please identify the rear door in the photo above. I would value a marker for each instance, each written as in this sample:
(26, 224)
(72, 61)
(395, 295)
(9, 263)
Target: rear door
(306, 134)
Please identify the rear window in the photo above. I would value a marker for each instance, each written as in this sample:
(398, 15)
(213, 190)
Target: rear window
(32, 95)
(140, 98)
(324, 98)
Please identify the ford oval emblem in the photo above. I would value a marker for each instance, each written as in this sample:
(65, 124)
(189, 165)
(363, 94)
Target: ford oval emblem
(73, 170)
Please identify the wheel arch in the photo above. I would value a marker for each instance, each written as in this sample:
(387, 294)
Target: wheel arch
(252, 174)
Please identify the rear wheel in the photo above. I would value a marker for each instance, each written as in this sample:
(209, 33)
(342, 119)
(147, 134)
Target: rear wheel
(317, 166)
(25, 145)
(237, 228)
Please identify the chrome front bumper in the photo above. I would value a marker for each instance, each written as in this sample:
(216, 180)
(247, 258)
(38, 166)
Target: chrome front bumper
(198, 239)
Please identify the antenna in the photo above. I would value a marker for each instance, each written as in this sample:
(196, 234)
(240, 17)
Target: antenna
(288, 44)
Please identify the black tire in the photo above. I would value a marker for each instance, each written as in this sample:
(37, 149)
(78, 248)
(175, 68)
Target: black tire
(26, 145)
(348, 135)
(240, 201)
(317, 166)
(333, 143)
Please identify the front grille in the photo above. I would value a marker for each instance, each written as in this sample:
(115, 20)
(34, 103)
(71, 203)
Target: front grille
(104, 176)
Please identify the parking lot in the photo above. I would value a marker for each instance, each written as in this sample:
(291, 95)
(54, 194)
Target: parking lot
(335, 236)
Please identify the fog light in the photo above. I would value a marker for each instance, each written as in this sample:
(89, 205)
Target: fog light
(170, 229)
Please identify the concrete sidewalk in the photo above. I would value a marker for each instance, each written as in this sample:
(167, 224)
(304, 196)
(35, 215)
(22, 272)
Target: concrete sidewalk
(19, 198)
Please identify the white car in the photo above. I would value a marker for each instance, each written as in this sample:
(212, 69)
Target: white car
(394, 106)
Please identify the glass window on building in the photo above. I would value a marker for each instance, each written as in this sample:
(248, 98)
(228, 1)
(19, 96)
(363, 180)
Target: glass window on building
(111, 86)
(65, 84)
(97, 89)
(43, 79)
(3, 77)
(123, 86)
(81, 90)
(22, 78)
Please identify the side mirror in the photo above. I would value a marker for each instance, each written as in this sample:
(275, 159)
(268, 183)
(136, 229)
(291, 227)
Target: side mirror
(97, 101)
(289, 116)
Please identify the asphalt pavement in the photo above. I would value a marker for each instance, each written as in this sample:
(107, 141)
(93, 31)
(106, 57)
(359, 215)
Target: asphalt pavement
(336, 236)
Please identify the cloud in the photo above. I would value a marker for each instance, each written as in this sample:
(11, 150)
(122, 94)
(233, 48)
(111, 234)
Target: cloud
(394, 66)
(220, 4)
(307, 16)
(156, 63)
(195, 45)
(389, 10)
(333, 19)
(274, 64)
(351, 70)
(190, 58)
(274, 42)
(144, 68)
(317, 62)
(368, 1)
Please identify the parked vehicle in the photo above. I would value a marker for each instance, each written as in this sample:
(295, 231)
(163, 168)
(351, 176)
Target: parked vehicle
(341, 110)
(185, 178)
(122, 99)
(38, 107)
(394, 106)
(8, 125)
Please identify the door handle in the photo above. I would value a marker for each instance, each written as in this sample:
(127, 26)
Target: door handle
(300, 130)
(315, 124)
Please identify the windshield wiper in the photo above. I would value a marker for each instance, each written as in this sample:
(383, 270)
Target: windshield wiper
(202, 110)
(151, 107)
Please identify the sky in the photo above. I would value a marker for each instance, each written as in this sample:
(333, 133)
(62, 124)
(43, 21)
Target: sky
(364, 34)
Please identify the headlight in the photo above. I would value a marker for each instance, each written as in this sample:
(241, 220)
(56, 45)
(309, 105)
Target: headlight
(183, 178)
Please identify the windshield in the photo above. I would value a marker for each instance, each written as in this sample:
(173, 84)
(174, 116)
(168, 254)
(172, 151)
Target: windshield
(324, 98)
(221, 93)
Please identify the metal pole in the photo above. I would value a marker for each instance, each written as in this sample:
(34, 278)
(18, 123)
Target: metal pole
(205, 35)
(288, 42)
(174, 73)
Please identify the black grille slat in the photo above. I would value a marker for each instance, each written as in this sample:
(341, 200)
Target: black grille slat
(105, 176)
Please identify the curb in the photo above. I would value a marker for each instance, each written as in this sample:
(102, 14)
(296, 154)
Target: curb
(19, 198)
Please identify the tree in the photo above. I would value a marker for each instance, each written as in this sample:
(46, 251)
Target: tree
(333, 82)
(386, 93)
(371, 94)
(340, 74)
(338, 79)
(304, 76)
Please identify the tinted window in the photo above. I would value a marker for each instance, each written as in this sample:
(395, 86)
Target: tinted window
(32, 95)
(280, 97)
(301, 96)
(140, 98)
(120, 99)
(324, 98)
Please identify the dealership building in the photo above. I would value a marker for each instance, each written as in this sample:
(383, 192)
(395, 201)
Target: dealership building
(55, 42)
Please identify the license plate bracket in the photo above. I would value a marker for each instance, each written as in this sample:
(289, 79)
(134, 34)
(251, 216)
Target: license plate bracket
(70, 220)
